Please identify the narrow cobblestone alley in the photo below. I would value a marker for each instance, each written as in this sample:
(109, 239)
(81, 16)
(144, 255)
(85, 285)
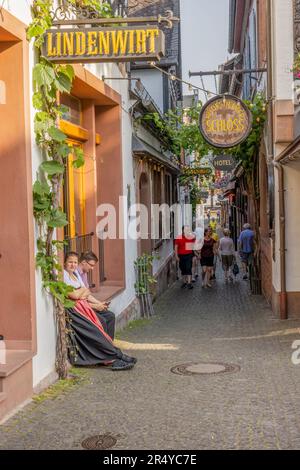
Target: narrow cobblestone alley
(152, 408)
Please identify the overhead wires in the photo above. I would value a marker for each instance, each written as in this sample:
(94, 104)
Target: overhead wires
(190, 85)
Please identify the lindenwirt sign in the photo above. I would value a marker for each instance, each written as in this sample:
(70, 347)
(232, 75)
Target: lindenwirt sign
(225, 121)
(118, 44)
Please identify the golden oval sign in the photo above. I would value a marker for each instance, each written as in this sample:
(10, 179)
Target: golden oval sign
(225, 121)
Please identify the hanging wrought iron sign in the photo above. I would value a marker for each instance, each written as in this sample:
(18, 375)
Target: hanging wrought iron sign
(118, 44)
(224, 163)
(196, 171)
(225, 121)
(80, 35)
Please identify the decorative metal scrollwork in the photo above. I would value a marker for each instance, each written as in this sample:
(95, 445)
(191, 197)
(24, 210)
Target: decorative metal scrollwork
(167, 20)
(67, 11)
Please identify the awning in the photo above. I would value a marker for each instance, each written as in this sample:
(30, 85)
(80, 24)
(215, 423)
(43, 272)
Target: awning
(291, 153)
(230, 188)
(139, 147)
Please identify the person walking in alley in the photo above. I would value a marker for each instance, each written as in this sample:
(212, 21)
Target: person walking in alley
(89, 343)
(197, 248)
(246, 247)
(184, 252)
(87, 263)
(208, 215)
(207, 254)
(226, 251)
(213, 224)
(214, 235)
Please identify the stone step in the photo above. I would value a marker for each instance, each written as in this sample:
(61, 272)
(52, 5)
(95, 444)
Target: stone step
(13, 360)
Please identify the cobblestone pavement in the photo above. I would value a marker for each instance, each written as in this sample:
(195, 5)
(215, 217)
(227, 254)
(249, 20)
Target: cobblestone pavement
(152, 408)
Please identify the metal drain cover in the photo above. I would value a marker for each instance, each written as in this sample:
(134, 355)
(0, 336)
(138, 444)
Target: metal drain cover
(204, 368)
(101, 442)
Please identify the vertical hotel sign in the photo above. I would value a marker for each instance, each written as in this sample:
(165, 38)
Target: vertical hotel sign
(83, 45)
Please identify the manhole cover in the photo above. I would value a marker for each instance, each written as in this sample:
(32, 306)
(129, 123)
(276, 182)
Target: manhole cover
(204, 368)
(104, 441)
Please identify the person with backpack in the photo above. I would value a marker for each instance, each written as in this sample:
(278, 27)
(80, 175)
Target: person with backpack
(246, 247)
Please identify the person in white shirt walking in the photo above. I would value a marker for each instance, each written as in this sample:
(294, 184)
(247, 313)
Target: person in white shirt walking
(226, 251)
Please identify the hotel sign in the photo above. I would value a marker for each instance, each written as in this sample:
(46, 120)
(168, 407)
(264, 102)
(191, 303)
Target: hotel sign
(225, 121)
(103, 44)
(224, 163)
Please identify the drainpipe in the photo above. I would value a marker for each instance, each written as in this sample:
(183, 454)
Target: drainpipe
(270, 79)
(283, 293)
(278, 166)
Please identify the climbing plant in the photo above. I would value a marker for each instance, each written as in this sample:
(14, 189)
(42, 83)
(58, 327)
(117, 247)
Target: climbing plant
(48, 81)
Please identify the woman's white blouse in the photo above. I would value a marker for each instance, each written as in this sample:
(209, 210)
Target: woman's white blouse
(72, 282)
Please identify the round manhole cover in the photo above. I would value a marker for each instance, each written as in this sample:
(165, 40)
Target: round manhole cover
(204, 368)
(104, 441)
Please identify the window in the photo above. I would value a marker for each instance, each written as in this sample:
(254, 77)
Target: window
(74, 198)
(157, 199)
(73, 109)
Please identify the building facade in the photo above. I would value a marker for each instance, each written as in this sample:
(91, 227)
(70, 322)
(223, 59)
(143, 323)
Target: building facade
(264, 34)
(98, 119)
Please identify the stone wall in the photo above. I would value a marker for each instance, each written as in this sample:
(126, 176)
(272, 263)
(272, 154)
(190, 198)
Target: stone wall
(165, 277)
(130, 313)
(266, 268)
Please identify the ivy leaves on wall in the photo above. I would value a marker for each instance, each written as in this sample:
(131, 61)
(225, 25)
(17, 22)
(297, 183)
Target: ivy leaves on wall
(48, 81)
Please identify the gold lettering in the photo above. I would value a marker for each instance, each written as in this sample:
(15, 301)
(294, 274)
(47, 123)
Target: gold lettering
(131, 41)
(230, 125)
(152, 34)
(209, 125)
(92, 43)
(68, 43)
(104, 42)
(58, 43)
(119, 42)
(141, 41)
(51, 51)
(80, 43)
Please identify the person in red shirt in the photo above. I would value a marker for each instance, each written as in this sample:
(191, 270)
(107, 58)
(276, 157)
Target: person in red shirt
(184, 246)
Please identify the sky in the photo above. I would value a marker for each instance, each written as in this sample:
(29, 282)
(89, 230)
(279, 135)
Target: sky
(204, 35)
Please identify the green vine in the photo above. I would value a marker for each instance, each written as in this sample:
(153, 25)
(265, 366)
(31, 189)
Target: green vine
(143, 266)
(296, 66)
(48, 81)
